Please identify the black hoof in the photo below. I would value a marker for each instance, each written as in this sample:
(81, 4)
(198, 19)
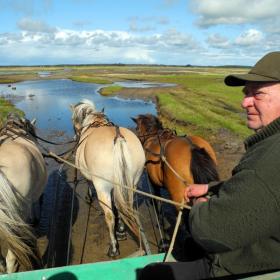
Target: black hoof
(163, 246)
(121, 235)
(113, 253)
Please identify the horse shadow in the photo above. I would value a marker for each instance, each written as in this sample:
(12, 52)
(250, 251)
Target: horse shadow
(55, 220)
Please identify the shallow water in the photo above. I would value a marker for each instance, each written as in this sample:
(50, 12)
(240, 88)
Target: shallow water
(49, 102)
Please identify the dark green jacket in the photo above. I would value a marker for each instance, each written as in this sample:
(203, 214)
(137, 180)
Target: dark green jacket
(240, 224)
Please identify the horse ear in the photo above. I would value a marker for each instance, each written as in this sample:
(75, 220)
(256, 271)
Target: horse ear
(72, 107)
(103, 109)
(134, 119)
(33, 122)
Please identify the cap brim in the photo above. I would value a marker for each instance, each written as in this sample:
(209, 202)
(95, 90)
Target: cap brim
(240, 80)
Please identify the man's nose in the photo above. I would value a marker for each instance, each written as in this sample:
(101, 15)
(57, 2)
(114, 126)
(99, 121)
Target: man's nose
(247, 101)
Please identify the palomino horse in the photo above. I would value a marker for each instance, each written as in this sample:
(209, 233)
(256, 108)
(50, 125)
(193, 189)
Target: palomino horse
(174, 161)
(111, 157)
(23, 177)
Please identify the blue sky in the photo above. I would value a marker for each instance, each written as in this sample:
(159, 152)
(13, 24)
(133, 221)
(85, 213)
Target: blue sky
(171, 32)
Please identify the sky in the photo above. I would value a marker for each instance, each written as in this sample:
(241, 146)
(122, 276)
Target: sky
(169, 32)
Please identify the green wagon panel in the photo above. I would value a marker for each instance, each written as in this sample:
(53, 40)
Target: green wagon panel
(109, 270)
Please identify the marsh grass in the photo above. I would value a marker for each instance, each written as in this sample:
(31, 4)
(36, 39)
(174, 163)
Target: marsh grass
(110, 90)
(203, 103)
(5, 108)
(88, 79)
(199, 104)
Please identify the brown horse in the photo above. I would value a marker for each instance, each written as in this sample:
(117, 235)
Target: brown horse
(174, 161)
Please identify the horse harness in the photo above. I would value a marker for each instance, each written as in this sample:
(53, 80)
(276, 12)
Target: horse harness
(101, 123)
(164, 135)
(13, 129)
(167, 135)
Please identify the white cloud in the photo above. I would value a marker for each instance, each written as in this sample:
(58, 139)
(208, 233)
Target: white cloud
(25, 7)
(138, 56)
(95, 46)
(218, 41)
(144, 24)
(251, 37)
(28, 24)
(214, 12)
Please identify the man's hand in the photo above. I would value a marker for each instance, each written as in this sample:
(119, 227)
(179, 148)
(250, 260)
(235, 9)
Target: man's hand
(196, 193)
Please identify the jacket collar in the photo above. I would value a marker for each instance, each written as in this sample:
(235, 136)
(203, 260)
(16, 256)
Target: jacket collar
(269, 130)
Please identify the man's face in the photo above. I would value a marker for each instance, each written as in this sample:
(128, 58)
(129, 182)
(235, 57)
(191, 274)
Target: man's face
(262, 103)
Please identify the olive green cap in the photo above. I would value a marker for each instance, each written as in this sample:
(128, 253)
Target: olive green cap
(267, 69)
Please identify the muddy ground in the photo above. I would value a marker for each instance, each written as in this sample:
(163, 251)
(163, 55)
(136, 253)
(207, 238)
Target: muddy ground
(67, 237)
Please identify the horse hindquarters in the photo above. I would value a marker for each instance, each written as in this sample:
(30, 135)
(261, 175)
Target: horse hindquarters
(13, 228)
(203, 167)
(124, 176)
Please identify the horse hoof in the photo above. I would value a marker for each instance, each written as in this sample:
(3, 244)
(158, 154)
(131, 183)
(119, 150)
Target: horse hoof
(121, 235)
(163, 246)
(113, 253)
(3, 268)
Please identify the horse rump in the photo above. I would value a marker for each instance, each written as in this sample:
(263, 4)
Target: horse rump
(203, 167)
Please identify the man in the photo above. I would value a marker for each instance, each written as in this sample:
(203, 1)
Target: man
(238, 223)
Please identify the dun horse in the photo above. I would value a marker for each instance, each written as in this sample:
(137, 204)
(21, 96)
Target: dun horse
(22, 180)
(174, 161)
(111, 157)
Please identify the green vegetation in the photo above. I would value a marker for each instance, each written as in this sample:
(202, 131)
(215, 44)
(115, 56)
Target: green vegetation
(204, 104)
(199, 103)
(110, 90)
(5, 108)
(87, 79)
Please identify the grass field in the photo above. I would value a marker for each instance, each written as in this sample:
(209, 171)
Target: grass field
(199, 104)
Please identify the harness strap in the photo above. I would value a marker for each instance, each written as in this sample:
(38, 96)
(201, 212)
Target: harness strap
(118, 134)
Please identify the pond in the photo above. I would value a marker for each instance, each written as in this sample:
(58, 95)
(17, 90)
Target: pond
(49, 102)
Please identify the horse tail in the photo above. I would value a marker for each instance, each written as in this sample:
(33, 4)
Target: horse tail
(203, 167)
(13, 229)
(124, 197)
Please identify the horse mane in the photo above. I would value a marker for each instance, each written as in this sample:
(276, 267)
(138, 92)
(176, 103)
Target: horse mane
(203, 167)
(150, 122)
(81, 110)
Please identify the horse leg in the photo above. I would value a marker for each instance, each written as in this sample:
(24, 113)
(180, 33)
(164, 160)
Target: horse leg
(36, 259)
(106, 204)
(2, 263)
(36, 211)
(163, 242)
(11, 261)
(120, 226)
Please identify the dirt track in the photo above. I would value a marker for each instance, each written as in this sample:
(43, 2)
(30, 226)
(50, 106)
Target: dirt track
(90, 240)
(90, 243)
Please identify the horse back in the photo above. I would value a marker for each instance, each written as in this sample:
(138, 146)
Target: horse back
(202, 143)
(95, 150)
(204, 161)
(191, 163)
(178, 154)
(31, 167)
